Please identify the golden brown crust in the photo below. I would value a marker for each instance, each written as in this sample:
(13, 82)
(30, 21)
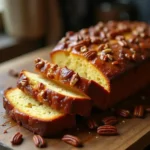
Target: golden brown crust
(58, 101)
(47, 128)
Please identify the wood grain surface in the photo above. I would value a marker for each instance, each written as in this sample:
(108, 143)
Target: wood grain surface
(131, 130)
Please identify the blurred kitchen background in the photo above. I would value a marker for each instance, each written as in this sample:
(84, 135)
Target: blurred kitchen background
(26, 25)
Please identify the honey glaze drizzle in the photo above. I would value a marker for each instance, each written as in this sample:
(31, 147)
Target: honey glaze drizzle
(6, 130)
(4, 124)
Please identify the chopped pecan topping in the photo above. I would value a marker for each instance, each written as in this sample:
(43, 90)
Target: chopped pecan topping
(103, 47)
(74, 79)
(84, 31)
(41, 86)
(69, 33)
(43, 94)
(39, 141)
(120, 37)
(63, 40)
(115, 63)
(123, 43)
(95, 40)
(39, 64)
(102, 35)
(83, 49)
(17, 139)
(23, 81)
(72, 140)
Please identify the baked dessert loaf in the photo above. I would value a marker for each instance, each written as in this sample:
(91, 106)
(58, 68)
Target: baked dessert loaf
(116, 55)
(29, 113)
(68, 78)
(54, 94)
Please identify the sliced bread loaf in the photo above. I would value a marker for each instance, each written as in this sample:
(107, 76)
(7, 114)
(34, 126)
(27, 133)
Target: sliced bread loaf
(54, 94)
(116, 55)
(33, 115)
(70, 79)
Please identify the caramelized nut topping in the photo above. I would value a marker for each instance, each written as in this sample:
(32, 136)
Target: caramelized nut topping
(115, 63)
(40, 64)
(69, 33)
(123, 43)
(107, 51)
(74, 79)
(23, 82)
(41, 86)
(90, 55)
(83, 49)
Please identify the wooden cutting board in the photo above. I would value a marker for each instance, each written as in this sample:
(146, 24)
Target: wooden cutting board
(131, 130)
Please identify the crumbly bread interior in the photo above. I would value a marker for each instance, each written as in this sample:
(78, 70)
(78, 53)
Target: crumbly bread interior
(35, 79)
(80, 65)
(26, 104)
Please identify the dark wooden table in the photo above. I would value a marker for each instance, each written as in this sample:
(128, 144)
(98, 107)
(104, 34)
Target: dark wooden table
(130, 129)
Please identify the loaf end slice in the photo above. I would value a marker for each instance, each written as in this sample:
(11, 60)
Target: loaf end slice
(34, 116)
(54, 94)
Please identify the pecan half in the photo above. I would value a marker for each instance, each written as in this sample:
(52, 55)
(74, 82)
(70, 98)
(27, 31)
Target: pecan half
(72, 140)
(92, 123)
(107, 130)
(17, 139)
(111, 120)
(39, 141)
(138, 111)
(90, 55)
(123, 113)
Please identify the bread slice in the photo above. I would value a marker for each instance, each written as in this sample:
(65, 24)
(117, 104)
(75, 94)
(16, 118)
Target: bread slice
(54, 94)
(66, 76)
(34, 116)
(116, 55)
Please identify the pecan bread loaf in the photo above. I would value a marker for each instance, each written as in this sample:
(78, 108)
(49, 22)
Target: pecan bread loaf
(54, 94)
(68, 78)
(116, 55)
(40, 119)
